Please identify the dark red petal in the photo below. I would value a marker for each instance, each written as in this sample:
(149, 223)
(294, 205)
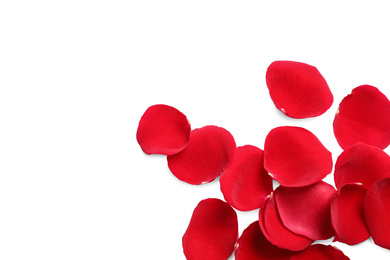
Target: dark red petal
(245, 184)
(295, 157)
(262, 225)
(252, 245)
(278, 233)
(212, 232)
(320, 252)
(361, 163)
(163, 130)
(306, 210)
(376, 207)
(208, 153)
(363, 116)
(347, 214)
(298, 89)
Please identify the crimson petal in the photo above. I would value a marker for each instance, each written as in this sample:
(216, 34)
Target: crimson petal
(376, 207)
(306, 210)
(347, 214)
(212, 232)
(208, 153)
(298, 89)
(295, 157)
(245, 184)
(363, 116)
(320, 252)
(163, 130)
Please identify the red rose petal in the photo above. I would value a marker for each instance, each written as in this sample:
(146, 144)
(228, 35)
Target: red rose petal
(295, 157)
(361, 163)
(376, 207)
(252, 245)
(262, 225)
(347, 214)
(245, 184)
(363, 116)
(163, 130)
(212, 232)
(320, 252)
(306, 210)
(298, 89)
(208, 153)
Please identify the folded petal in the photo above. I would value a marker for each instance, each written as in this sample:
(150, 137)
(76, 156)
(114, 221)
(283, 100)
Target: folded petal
(363, 116)
(298, 89)
(212, 232)
(206, 156)
(295, 157)
(320, 252)
(245, 184)
(163, 130)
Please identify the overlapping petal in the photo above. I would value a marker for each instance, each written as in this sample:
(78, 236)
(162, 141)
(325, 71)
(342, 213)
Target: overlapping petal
(320, 252)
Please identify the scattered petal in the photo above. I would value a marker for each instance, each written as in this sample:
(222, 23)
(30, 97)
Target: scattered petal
(295, 157)
(208, 153)
(320, 252)
(212, 232)
(363, 116)
(163, 130)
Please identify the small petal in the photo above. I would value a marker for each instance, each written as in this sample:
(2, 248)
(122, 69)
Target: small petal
(295, 157)
(163, 130)
(208, 153)
(320, 252)
(245, 184)
(212, 232)
(298, 89)
(347, 214)
(363, 116)
(306, 210)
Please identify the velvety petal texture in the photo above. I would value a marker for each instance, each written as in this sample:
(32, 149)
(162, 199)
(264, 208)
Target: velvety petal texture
(361, 163)
(306, 210)
(320, 252)
(376, 208)
(208, 153)
(245, 184)
(363, 116)
(347, 214)
(212, 232)
(298, 89)
(163, 130)
(295, 157)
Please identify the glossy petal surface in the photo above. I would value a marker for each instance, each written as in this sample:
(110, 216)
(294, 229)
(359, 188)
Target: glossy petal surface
(298, 89)
(163, 130)
(320, 252)
(206, 156)
(363, 116)
(212, 232)
(245, 184)
(295, 157)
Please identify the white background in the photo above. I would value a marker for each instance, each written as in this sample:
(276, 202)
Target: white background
(76, 76)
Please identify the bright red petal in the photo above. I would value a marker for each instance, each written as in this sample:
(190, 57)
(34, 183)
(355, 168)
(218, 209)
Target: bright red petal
(208, 153)
(347, 214)
(295, 157)
(320, 252)
(361, 163)
(298, 89)
(363, 116)
(376, 209)
(245, 184)
(212, 232)
(306, 210)
(163, 130)
(252, 245)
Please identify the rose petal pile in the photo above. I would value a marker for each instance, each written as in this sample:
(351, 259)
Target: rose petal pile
(303, 208)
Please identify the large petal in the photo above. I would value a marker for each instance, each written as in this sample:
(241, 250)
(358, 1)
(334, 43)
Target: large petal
(295, 157)
(298, 89)
(208, 153)
(320, 252)
(376, 209)
(306, 210)
(363, 116)
(212, 232)
(245, 184)
(163, 130)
